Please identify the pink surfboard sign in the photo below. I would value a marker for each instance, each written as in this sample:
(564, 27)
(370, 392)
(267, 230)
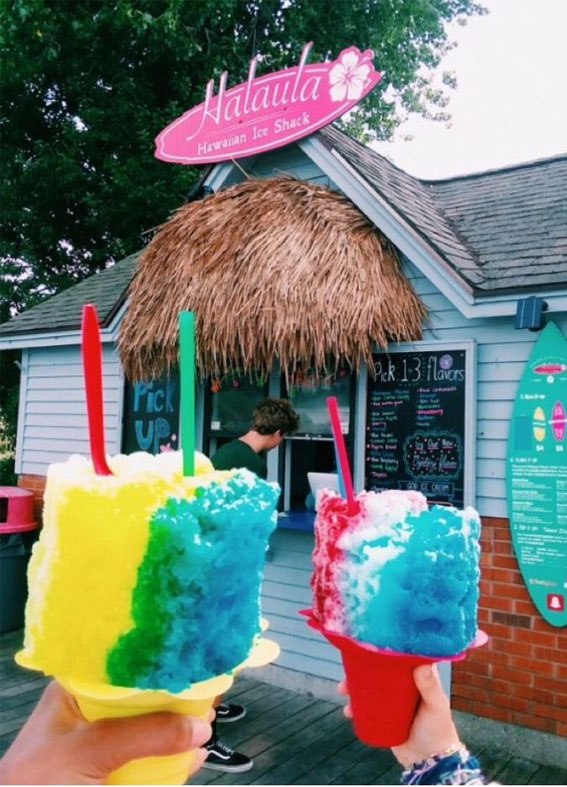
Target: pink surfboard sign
(270, 111)
(550, 368)
(559, 422)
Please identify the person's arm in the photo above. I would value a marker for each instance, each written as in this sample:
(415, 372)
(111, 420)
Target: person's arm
(58, 746)
(433, 753)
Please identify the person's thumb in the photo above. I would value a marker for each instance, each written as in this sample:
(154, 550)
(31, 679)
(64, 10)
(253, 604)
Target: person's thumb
(112, 743)
(429, 686)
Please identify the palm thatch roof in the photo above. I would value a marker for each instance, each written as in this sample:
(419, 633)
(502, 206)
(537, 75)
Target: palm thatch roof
(275, 268)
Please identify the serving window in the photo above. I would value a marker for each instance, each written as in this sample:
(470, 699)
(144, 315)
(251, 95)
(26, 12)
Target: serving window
(229, 404)
(309, 455)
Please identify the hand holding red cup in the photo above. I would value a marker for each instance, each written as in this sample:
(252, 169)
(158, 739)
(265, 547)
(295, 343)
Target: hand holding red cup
(433, 729)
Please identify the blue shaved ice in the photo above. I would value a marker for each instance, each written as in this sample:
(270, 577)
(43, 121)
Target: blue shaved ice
(196, 605)
(411, 585)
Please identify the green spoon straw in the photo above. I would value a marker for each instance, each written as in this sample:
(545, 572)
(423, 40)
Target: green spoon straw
(187, 370)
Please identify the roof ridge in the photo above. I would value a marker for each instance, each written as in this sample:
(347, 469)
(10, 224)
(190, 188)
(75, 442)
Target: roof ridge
(495, 171)
(23, 317)
(368, 149)
(427, 193)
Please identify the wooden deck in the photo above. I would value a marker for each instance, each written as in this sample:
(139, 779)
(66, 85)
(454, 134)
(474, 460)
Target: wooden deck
(293, 738)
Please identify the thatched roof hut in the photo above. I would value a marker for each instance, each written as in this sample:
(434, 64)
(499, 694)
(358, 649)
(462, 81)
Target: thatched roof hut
(276, 268)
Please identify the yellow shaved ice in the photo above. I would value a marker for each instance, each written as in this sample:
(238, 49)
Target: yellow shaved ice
(84, 567)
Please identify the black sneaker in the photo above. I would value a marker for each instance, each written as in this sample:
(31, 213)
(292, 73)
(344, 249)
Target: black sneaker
(223, 758)
(228, 713)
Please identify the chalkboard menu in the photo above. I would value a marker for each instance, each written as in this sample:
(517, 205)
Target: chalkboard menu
(415, 424)
(151, 416)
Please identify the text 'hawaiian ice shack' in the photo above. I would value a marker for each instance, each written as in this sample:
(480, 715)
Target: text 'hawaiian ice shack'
(320, 268)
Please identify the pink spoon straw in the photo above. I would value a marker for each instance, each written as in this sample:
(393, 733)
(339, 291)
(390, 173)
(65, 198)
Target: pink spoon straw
(344, 469)
(92, 368)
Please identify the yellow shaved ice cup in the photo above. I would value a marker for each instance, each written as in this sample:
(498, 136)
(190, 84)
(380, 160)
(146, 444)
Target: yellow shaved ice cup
(103, 701)
(95, 535)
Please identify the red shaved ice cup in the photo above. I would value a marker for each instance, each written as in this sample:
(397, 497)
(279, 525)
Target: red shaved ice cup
(382, 691)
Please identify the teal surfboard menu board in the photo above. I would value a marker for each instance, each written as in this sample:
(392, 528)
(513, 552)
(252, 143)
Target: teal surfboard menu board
(537, 475)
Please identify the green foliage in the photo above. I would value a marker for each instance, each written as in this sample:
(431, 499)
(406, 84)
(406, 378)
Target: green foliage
(87, 86)
(7, 475)
(9, 391)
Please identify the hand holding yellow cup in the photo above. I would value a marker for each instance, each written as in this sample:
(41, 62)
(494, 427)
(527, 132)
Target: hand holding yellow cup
(102, 701)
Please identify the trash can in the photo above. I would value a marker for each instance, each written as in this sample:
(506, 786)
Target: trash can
(18, 532)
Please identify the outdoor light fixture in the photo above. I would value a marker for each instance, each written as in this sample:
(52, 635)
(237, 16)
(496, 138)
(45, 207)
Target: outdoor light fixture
(529, 313)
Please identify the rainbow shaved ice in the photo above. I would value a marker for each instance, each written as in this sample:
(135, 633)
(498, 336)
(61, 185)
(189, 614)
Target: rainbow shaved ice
(147, 578)
(397, 575)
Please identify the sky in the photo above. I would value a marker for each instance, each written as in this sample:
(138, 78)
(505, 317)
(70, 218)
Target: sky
(510, 105)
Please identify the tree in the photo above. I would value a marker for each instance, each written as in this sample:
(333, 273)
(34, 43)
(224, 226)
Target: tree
(87, 86)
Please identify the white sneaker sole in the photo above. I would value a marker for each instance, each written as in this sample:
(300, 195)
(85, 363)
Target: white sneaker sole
(228, 768)
(225, 720)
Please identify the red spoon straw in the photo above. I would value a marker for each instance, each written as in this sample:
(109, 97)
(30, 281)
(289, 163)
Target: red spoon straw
(340, 446)
(92, 368)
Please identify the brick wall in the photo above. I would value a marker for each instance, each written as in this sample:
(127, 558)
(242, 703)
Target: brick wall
(521, 675)
(35, 484)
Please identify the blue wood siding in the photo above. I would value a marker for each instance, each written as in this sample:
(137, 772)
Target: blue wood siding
(285, 592)
(502, 352)
(53, 407)
(286, 161)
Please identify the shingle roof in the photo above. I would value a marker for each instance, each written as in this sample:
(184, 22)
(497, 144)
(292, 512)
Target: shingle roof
(413, 201)
(106, 290)
(503, 230)
(515, 219)
(500, 230)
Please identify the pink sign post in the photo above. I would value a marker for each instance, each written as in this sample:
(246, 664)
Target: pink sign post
(270, 111)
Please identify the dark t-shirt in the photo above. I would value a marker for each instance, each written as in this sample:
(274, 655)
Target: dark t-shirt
(239, 454)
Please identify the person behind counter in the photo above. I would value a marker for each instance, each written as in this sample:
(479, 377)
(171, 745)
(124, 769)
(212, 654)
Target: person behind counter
(272, 421)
